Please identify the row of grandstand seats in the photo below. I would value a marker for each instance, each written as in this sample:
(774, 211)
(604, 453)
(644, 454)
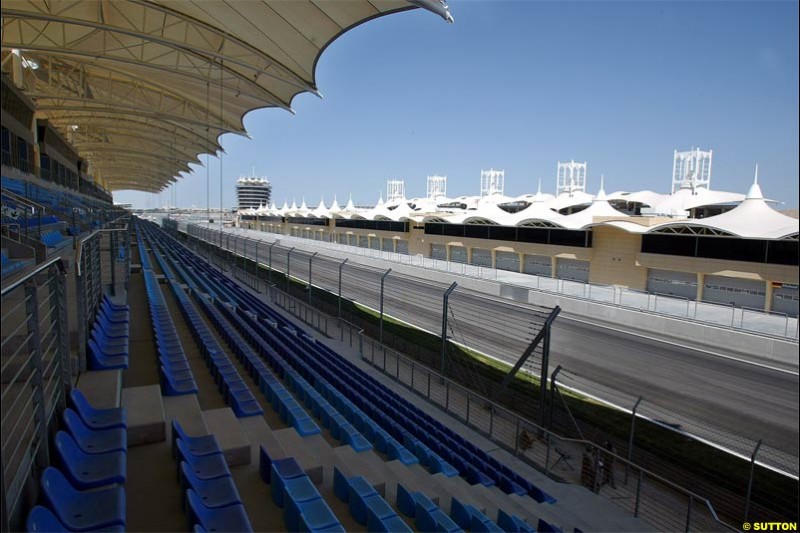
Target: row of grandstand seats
(107, 347)
(10, 266)
(210, 495)
(176, 375)
(229, 317)
(395, 415)
(85, 492)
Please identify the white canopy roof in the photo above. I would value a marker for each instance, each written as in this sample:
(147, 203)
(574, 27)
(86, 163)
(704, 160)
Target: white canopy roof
(143, 87)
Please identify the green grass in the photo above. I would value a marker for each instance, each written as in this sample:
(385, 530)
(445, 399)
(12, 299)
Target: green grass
(665, 449)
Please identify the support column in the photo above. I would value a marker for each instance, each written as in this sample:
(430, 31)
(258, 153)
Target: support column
(701, 278)
(469, 255)
(554, 267)
(769, 291)
(521, 262)
(494, 258)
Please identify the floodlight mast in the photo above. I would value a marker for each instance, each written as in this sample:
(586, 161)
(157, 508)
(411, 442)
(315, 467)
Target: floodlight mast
(571, 177)
(691, 169)
(492, 181)
(395, 190)
(437, 186)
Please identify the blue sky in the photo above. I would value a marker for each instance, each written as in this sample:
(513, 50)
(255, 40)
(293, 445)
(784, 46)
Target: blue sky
(520, 85)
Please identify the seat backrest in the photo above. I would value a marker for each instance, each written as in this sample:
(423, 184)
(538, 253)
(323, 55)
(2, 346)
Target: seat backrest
(58, 491)
(80, 402)
(42, 520)
(68, 449)
(75, 425)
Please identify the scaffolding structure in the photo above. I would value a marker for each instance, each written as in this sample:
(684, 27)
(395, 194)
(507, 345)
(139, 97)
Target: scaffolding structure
(691, 169)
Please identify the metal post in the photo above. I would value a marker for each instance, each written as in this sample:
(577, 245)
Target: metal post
(689, 514)
(288, 260)
(445, 301)
(310, 260)
(341, 266)
(750, 480)
(112, 260)
(638, 494)
(544, 375)
(269, 271)
(383, 280)
(37, 368)
(255, 269)
(553, 386)
(630, 437)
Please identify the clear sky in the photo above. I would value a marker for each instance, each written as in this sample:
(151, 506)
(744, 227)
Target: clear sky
(520, 85)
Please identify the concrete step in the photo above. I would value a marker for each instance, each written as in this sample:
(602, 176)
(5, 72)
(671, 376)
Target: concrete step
(224, 425)
(145, 414)
(102, 388)
(260, 434)
(297, 447)
(186, 410)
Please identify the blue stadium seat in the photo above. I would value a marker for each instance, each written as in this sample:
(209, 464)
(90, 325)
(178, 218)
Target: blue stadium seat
(281, 471)
(82, 510)
(94, 441)
(88, 471)
(219, 492)
(513, 523)
(199, 446)
(297, 492)
(204, 467)
(97, 418)
(230, 518)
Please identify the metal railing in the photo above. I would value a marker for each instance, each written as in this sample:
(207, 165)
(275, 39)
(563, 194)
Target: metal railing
(761, 322)
(642, 493)
(102, 259)
(409, 300)
(36, 377)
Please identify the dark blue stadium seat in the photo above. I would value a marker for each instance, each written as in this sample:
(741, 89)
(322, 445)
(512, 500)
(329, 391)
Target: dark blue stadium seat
(204, 467)
(230, 518)
(88, 471)
(97, 418)
(82, 510)
(281, 471)
(94, 441)
(219, 492)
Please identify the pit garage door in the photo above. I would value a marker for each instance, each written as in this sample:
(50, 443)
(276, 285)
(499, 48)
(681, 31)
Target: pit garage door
(387, 245)
(573, 269)
(672, 283)
(402, 246)
(375, 243)
(735, 291)
(363, 241)
(439, 251)
(481, 257)
(507, 261)
(342, 238)
(785, 299)
(539, 265)
(458, 254)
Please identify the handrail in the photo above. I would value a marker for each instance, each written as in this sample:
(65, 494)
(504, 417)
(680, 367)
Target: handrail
(22, 199)
(36, 271)
(79, 251)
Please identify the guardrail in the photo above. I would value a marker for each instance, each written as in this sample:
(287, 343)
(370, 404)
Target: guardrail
(96, 265)
(778, 325)
(36, 377)
(644, 494)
